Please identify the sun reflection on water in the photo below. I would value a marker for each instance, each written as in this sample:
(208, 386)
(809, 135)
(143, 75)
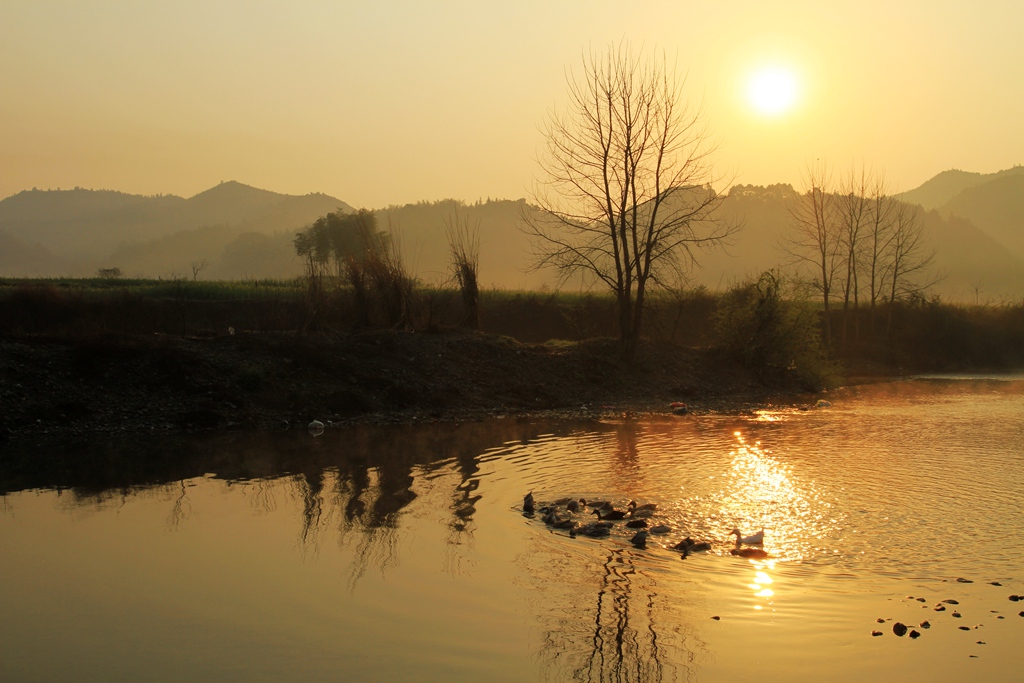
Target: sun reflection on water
(762, 492)
(762, 582)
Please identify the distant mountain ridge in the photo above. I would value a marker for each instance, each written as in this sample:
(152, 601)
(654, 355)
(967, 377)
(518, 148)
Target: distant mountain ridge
(942, 188)
(80, 228)
(996, 207)
(977, 233)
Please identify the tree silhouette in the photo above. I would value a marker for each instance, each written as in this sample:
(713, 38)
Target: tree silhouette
(625, 194)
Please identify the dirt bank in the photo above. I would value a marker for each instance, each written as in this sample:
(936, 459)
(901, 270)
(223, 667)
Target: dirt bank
(103, 385)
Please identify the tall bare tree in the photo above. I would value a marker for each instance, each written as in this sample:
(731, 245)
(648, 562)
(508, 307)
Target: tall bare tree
(625, 191)
(907, 256)
(853, 212)
(816, 241)
(883, 207)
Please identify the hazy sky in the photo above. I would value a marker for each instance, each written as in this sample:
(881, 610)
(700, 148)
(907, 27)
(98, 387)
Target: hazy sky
(383, 103)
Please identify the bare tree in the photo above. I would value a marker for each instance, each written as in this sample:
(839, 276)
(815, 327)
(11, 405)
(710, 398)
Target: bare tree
(883, 207)
(625, 193)
(816, 240)
(198, 267)
(907, 256)
(853, 212)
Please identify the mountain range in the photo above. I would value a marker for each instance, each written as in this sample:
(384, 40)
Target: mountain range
(973, 222)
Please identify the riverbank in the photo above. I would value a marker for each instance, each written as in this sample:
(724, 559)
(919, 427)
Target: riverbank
(96, 385)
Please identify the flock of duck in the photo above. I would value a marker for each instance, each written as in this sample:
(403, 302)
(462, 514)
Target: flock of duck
(563, 514)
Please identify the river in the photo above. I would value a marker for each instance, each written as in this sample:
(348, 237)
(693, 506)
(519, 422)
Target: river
(403, 554)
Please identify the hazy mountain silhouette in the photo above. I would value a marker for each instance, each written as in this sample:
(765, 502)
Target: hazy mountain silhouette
(85, 227)
(975, 266)
(763, 214)
(966, 257)
(244, 232)
(945, 186)
(996, 206)
(504, 248)
(18, 259)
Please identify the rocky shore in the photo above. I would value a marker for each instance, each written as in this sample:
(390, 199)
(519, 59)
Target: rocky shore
(55, 387)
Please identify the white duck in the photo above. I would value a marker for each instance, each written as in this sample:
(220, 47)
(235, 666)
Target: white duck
(753, 539)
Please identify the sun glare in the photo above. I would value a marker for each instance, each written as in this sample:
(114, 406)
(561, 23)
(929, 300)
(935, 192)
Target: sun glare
(772, 90)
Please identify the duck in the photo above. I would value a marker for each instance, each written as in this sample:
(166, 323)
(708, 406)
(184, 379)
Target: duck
(637, 524)
(528, 504)
(753, 539)
(612, 514)
(688, 545)
(752, 553)
(592, 530)
(639, 539)
(660, 529)
(683, 544)
(641, 511)
(573, 506)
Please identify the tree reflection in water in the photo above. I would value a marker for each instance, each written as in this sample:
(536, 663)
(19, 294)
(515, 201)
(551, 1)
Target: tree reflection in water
(355, 484)
(626, 631)
(606, 618)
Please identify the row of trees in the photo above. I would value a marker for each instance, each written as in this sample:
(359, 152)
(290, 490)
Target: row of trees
(858, 242)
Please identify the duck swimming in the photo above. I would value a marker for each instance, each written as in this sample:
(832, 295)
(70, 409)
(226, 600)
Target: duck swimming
(688, 545)
(753, 553)
(612, 514)
(753, 539)
(591, 530)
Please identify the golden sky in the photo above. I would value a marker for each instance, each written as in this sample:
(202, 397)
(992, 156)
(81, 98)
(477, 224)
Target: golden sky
(382, 103)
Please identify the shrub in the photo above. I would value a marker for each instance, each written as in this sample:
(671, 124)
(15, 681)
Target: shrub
(778, 338)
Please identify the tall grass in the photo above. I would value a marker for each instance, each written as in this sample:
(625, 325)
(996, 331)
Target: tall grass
(760, 323)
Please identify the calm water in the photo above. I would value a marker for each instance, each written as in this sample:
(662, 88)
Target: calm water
(401, 554)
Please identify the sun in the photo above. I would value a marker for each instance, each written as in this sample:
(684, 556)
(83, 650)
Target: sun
(772, 90)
